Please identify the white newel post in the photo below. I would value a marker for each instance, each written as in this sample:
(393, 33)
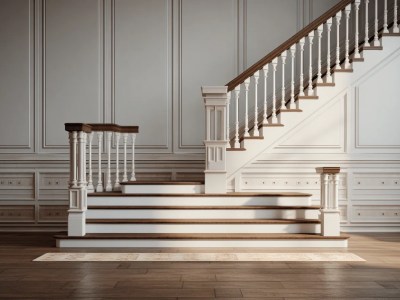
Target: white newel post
(78, 184)
(330, 214)
(215, 100)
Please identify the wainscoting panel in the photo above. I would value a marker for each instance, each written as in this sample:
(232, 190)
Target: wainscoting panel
(17, 186)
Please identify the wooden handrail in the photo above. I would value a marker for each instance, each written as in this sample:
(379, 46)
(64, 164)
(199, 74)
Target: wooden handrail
(89, 127)
(286, 45)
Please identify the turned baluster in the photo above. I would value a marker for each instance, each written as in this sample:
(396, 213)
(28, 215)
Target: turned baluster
(376, 37)
(99, 187)
(90, 176)
(125, 142)
(293, 53)
(117, 186)
(283, 60)
(246, 116)
(338, 18)
(255, 129)
(319, 74)
(395, 27)
(301, 91)
(133, 175)
(274, 65)
(108, 145)
(347, 16)
(328, 58)
(72, 161)
(265, 115)
(228, 102)
(385, 18)
(357, 50)
(366, 39)
(237, 91)
(81, 159)
(310, 73)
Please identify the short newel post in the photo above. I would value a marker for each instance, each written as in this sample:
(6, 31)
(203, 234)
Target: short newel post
(330, 214)
(215, 100)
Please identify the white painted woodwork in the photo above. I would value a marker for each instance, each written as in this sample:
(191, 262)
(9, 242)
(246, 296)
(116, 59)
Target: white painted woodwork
(292, 55)
(265, 107)
(72, 159)
(125, 142)
(246, 112)
(228, 102)
(133, 175)
(108, 135)
(356, 43)
(310, 58)
(395, 24)
(376, 25)
(347, 64)
(236, 91)
(366, 35)
(255, 128)
(99, 187)
(283, 62)
(163, 189)
(328, 77)
(117, 136)
(338, 17)
(301, 43)
(90, 175)
(385, 17)
(274, 66)
(319, 37)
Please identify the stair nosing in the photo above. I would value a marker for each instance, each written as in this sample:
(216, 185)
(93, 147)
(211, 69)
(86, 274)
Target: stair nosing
(162, 183)
(203, 221)
(194, 195)
(208, 207)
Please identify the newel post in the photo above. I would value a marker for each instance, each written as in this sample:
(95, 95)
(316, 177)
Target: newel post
(216, 141)
(330, 214)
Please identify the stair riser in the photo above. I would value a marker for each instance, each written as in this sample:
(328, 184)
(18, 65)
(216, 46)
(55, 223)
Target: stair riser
(162, 189)
(115, 243)
(203, 228)
(201, 214)
(199, 201)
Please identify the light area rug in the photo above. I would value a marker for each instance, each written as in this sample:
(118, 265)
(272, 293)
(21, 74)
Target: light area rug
(199, 257)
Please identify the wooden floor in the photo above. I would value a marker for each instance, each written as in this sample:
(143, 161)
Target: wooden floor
(377, 278)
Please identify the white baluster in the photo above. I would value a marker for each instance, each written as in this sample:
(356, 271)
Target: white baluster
(376, 37)
(81, 159)
(246, 117)
(338, 17)
(302, 42)
(227, 117)
(385, 19)
(328, 58)
(319, 75)
(133, 175)
(395, 25)
(310, 73)
(347, 15)
(357, 50)
(125, 142)
(274, 64)
(237, 91)
(293, 53)
(117, 186)
(90, 177)
(99, 187)
(255, 129)
(73, 159)
(283, 60)
(265, 115)
(108, 145)
(366, 39)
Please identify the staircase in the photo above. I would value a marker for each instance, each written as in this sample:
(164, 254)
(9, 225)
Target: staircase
(266, 102)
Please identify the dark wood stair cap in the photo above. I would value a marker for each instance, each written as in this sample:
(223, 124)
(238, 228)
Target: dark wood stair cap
(238, 194)
(162, 183)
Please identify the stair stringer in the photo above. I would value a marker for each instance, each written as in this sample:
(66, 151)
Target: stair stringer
(273, 136)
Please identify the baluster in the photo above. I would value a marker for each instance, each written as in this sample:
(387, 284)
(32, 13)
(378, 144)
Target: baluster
(81, 159)
(293, 53)
(395, 25)
(274, 64)
(347, 15)
(338, 17)
(376, 37)
(133, 176)
(366, 39)
(328, 58)
(385, 19)
(310, 73)
(125, 141)
(302, 42)
(90, 177)
(246, 117)
(72, 161)
(108, 144)
(319, 75)
(99, 187)
(265, 115)
(357, 50)
(117, 186)
(283, 60)
(237, 91)
(228, 102)
(255, 129)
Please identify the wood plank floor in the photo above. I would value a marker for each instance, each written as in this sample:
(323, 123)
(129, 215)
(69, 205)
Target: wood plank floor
(377, 278)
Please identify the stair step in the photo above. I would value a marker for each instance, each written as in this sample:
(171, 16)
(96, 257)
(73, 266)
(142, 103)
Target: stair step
(161, 187)
(201, 221)
(236, 194)
(204, 207)
(162, 183)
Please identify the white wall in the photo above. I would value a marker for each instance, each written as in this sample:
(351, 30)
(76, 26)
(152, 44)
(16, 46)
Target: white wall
(139, 62)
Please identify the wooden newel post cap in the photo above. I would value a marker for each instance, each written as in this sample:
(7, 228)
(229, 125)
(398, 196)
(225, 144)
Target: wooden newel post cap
(328, 170)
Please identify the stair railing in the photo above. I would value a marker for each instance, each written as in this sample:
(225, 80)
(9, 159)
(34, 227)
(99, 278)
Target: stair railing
(81, 181)
(327, 45)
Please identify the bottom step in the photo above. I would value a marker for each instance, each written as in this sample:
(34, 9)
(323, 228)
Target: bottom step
(176, 240)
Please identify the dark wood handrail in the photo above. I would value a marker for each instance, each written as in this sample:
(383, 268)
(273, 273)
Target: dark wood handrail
(89, 127)
(286, 45)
